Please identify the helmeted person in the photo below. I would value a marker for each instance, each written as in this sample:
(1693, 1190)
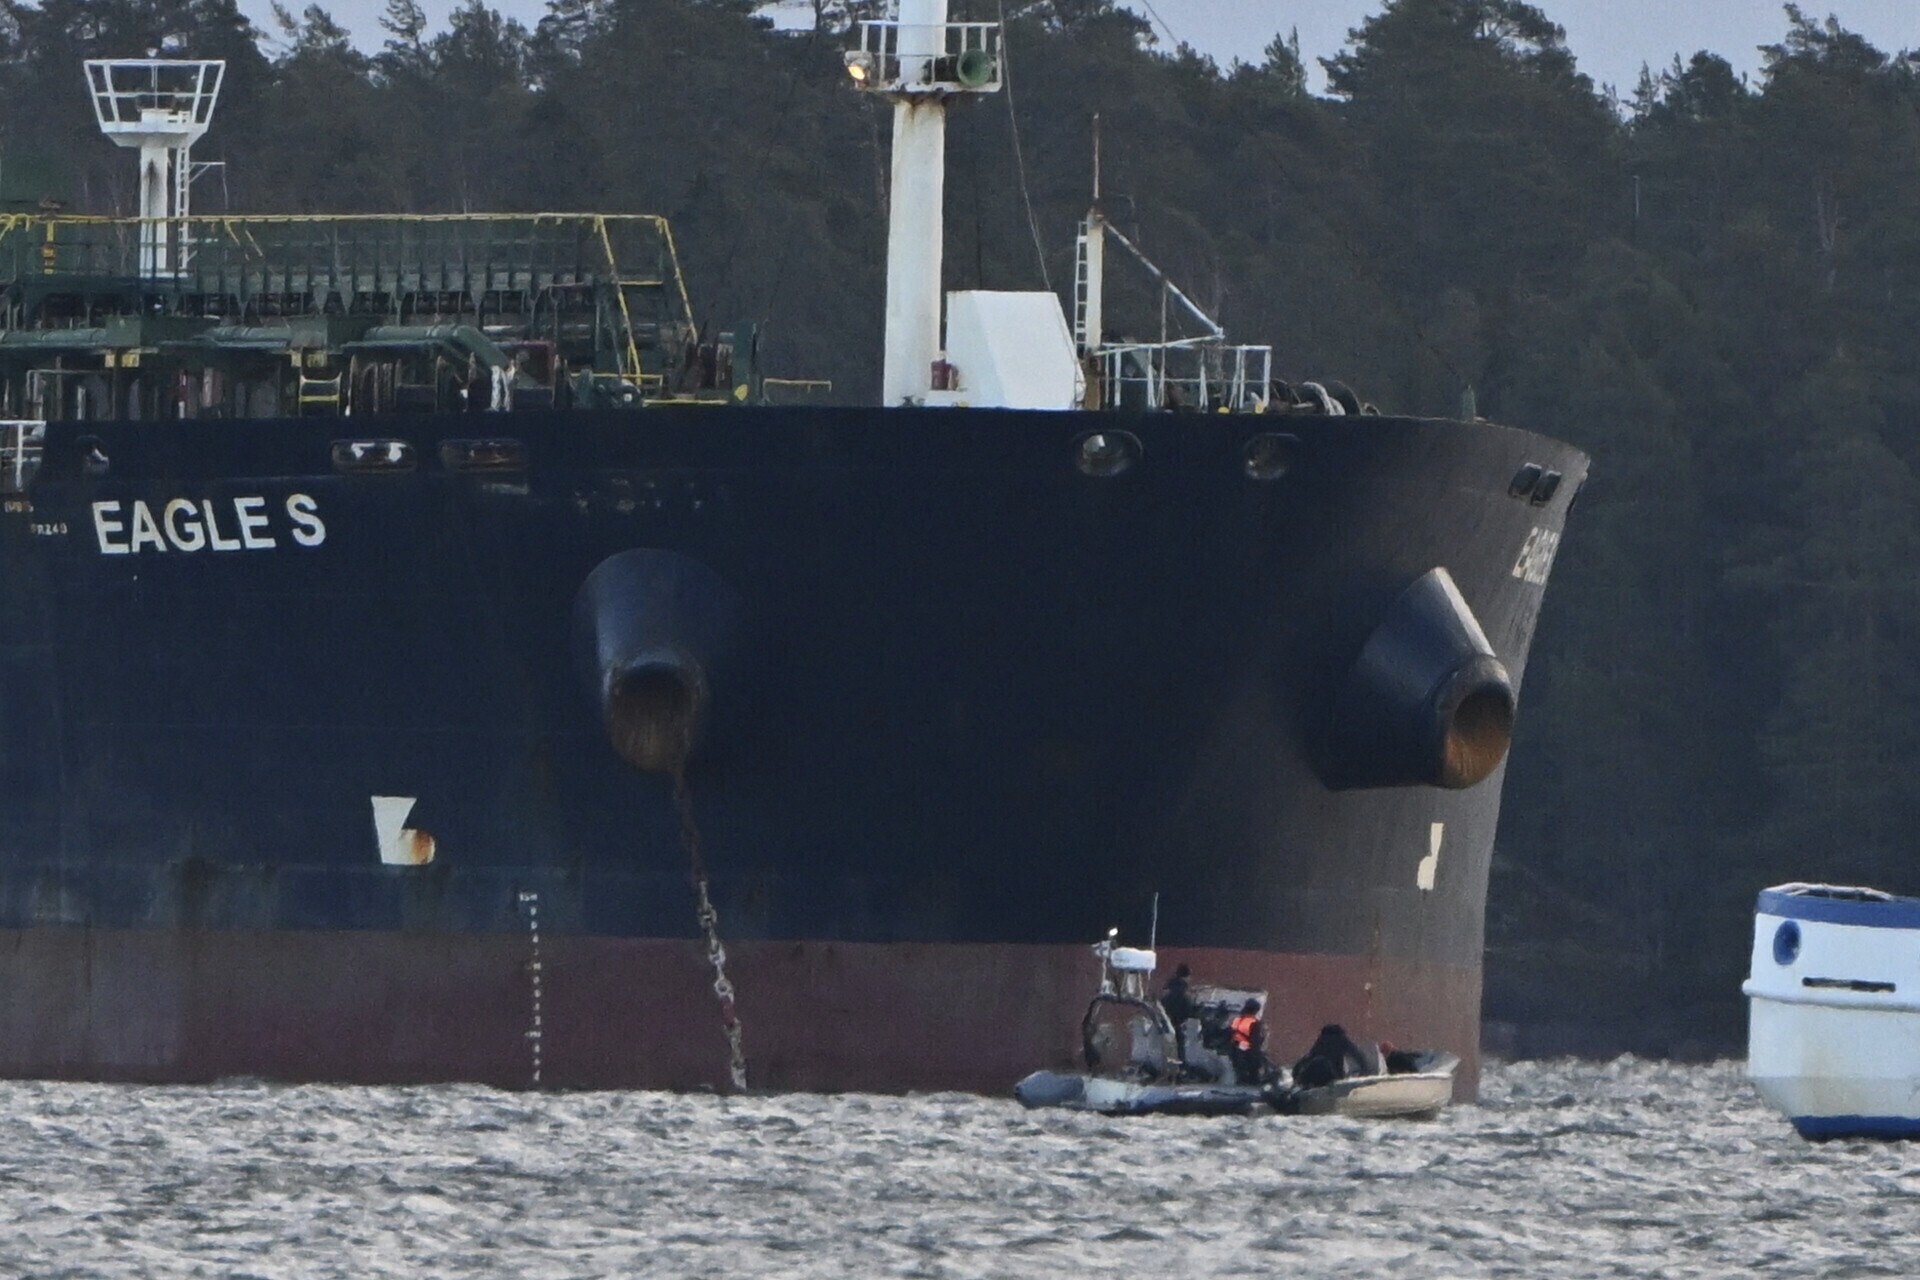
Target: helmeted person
(1333, 1056)
(1248, 1050)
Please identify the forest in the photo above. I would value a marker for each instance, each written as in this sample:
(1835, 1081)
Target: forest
(1711, 284)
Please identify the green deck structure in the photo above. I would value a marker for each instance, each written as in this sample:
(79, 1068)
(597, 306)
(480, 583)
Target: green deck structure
(272, 316)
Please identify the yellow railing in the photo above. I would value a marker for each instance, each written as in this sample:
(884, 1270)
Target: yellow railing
(631, 368)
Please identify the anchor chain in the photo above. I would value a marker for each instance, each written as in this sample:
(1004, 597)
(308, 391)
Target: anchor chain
(709, 921)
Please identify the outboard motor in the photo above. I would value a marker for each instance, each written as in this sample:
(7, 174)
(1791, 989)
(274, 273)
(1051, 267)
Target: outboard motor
(651, 629)
(1426, 703)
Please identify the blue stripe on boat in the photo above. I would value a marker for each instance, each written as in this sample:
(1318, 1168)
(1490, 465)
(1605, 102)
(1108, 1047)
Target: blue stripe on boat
(1858, 1126)
(1894, 913)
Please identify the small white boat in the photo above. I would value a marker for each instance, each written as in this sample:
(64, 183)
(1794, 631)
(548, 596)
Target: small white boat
(1833, 989)
(1139, 1064)
(1418, 1093)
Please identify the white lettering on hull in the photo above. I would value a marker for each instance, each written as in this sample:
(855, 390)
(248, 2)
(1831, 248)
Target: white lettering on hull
(186, 535)
(1535, 561)
(305, 512)
(243, 524)
(214, 537)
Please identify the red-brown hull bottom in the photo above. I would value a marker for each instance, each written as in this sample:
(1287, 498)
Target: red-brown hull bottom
(178, 1006)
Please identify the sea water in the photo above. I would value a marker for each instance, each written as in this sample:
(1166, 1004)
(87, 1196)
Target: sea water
(1563, 1169)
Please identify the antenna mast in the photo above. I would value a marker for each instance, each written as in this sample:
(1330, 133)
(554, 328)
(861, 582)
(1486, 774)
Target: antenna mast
(1096, 158)
(160, 106)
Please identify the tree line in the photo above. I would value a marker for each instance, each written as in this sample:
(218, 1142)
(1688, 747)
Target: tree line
(1707, 282)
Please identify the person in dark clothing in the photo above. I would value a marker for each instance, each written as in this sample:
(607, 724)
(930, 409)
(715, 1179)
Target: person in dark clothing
(1396, 1062)
(1178, 1004)
(1248, 1051)
(1332, 1057)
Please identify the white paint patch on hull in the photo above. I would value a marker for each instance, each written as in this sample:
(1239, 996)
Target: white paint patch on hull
(400, 845)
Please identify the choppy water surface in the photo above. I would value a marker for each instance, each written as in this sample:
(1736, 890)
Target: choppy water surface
(1564, 1169)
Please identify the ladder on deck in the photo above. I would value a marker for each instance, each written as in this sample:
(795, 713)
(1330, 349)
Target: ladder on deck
(1082, 286)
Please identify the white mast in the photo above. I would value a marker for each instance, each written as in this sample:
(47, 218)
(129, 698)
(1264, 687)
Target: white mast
(162, 106)
(916, 220)
(919, 61)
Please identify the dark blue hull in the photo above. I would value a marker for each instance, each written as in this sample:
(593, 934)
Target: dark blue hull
(952, 691)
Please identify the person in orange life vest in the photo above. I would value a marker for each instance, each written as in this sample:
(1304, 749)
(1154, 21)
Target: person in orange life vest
(1249, 1049)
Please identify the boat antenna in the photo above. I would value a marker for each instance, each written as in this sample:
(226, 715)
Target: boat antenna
(1019, 159)
(1096, 159)
(1153, 927)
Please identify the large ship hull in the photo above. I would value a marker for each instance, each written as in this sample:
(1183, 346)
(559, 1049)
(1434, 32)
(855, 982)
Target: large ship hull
(314, 767)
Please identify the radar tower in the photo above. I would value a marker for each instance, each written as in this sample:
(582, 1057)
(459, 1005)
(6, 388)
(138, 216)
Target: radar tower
(162, 106)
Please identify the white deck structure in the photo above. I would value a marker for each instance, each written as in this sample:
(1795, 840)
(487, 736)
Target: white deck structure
(1009, 351)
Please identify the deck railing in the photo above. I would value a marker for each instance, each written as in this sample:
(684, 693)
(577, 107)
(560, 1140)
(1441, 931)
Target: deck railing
(1197, 373)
